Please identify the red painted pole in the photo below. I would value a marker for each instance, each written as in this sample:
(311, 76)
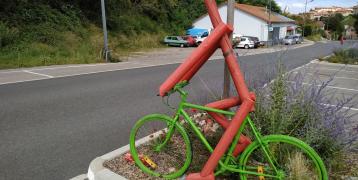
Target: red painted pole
(242, 90)
(188, 75)
(226, 139)
(224, 122)
(207, 47)
(226, 47)
(192, 64)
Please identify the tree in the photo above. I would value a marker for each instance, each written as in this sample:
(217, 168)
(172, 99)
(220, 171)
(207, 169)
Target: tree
(355, 25)
(334, 23)
(262, 3)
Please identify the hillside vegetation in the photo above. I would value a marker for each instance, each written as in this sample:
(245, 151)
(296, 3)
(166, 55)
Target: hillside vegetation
(44, 32)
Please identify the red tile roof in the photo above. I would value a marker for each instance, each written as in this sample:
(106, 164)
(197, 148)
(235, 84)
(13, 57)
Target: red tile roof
(259, 12)
(262, 13)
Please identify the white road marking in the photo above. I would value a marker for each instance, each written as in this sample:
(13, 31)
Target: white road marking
(14, 82)
(337, 70)
(297, 68)
(87, 73)
(40, 74)
(338, 77)
(62, 67)
(334, 64)
(333, 87)
(349, 108)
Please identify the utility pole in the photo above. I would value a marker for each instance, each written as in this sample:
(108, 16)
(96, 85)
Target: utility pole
(270, 24)
(268, 11)
(106, 51)
(230, 21)
(304, 18)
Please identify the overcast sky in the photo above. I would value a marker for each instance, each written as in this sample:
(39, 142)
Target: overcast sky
(297, 6)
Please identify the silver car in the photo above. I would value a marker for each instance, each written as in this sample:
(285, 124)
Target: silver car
(298, 38)
(289, 40)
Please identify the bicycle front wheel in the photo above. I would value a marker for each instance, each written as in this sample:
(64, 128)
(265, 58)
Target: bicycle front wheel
(160, 147)
(282, 157)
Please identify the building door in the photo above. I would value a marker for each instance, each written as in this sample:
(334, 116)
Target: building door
(276, 35)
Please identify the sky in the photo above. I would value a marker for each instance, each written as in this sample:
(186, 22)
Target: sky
(297, 6)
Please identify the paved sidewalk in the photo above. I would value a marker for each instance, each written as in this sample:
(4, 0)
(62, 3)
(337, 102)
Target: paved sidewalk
(148, 59)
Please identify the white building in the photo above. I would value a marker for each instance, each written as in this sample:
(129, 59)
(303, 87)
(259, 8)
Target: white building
(318, 12)
(355, 9)
(253, 21)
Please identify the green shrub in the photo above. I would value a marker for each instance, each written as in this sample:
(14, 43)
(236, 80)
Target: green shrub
(316, 37)
(345, 56)
(7, 35)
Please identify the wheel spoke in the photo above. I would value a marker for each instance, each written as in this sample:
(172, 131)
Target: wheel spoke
(168, 151)
(293, 159)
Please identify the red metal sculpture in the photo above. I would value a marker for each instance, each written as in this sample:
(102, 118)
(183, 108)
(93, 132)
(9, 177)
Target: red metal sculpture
(218, 39)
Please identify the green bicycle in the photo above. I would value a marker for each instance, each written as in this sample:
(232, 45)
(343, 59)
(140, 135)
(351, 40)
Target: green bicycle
(168, 153)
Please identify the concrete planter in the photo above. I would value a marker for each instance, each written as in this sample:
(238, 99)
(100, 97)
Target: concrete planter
(97, 171)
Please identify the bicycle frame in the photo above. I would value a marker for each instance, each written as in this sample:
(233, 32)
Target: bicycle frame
(224, 164)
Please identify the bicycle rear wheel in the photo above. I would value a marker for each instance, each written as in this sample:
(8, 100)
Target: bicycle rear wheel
(292, 158)
(160, 147)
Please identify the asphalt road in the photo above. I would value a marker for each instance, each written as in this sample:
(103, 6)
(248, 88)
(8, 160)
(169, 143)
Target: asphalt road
(52, 129)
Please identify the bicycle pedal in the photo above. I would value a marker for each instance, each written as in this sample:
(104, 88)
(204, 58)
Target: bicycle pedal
(146, 160)
(260, 170)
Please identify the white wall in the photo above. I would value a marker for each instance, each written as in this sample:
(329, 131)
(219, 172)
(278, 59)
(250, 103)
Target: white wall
(283, 28)
(244, 24)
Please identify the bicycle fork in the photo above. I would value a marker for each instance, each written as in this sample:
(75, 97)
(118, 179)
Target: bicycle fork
(171, 129)
(271, 159)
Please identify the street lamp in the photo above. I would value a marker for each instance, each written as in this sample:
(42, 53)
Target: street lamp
(106, 51)
(269, 26)
(230, 20)
(304, 18)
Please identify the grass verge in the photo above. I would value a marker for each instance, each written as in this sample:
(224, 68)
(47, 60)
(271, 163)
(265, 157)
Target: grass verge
(69, 47)
(315, 38)
(344, 56)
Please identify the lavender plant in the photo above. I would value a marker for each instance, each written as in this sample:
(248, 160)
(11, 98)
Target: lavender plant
(300, 105)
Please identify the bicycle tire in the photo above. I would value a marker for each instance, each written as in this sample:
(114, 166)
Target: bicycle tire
(166, 153)
(251, 156)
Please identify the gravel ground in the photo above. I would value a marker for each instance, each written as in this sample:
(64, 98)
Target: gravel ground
(128, 169)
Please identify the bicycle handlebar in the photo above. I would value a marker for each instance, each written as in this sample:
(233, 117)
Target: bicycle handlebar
(177, 88)
(180, 85)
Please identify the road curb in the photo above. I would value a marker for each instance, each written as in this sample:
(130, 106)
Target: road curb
(96, 170)
(80, 177)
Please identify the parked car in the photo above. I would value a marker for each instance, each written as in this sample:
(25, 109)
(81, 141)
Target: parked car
(191, 40)
(235, 39)
(298, 38)
(289, 40)
(175, 41)
(201, 38)
(255, 39)
(246, 42)
(262, 43)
